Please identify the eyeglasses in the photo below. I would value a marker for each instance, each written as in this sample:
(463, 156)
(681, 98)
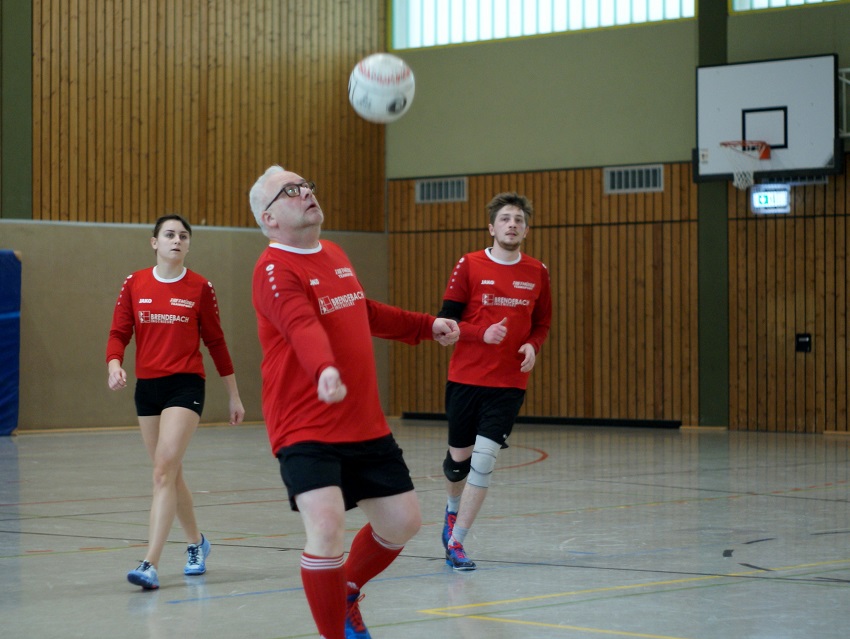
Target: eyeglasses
(292, 190)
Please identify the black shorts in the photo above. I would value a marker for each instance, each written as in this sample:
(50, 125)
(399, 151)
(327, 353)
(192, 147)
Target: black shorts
(481, 410)
(362, 470)
(155, 395)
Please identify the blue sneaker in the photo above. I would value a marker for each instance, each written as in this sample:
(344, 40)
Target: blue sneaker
(354, 626)
(448, 526)
(144, 576)
(198, 553)
(456, 557)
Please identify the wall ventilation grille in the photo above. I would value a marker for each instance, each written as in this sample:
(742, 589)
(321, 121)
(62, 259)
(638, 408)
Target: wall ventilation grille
(634, 179)
(441, 190)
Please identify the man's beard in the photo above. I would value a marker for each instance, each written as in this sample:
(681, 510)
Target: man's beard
(509, 245)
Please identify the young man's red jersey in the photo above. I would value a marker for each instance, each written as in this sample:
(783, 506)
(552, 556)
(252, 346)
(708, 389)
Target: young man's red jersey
(490, 291)
(312, 313)
(169, 318)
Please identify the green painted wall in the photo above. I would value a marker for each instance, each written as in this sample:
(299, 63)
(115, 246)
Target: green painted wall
(16, 109)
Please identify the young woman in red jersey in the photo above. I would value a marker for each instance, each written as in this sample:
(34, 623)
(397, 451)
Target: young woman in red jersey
(170, 309)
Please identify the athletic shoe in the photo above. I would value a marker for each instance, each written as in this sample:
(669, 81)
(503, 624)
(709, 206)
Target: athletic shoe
(144, 576)
(354, 626)
(456, 557)
(448, 526)
(198, 553)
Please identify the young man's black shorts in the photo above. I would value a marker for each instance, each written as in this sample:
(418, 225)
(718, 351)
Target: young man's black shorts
(362, 470)
(481, 410)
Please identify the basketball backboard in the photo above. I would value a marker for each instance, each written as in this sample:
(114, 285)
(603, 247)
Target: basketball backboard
(791, 104)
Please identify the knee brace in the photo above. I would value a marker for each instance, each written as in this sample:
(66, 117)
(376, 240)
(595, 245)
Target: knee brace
(455, 471)
(483, 461)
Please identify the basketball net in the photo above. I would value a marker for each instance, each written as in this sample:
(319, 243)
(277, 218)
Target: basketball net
(743, 157)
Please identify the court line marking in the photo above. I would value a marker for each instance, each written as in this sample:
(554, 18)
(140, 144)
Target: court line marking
(449, 610)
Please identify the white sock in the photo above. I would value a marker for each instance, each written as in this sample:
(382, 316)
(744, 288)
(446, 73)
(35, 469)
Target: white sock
(459, 534)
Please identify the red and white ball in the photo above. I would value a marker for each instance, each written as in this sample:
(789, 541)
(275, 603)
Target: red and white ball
(381, 88)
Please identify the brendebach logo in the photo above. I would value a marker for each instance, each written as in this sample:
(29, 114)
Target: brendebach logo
(331, 304)
(488, 299)
(146, 317)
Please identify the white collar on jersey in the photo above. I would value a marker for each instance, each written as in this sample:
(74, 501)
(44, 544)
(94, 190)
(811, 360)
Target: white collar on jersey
(489, 252)
(293, 249)
(169, 281)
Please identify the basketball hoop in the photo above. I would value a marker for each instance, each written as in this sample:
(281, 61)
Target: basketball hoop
(744, 156)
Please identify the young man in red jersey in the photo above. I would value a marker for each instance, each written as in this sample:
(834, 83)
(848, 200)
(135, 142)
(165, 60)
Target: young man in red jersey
(321, 404)
(501, 299)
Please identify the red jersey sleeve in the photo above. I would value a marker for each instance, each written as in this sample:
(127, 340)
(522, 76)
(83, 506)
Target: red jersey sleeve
(289, 309)
(122, 324)
(390, 322)
(541, 316)
(211, 332)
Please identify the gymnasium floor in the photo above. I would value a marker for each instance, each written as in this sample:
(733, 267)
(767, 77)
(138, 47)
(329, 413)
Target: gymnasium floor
(587, 533)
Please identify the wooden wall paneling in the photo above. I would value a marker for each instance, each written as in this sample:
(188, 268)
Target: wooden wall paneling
(658, 333)
(133, 97)
(601, 320)
(624, 330)
(734, 325)
(39, 84)
(584, 332)
(126, 124)
(632, 319)
(146, 195)
(59, 116)
(646, 378)
(829, 354)
(561, 331)
(71, 161)
(109, 75)
(751, 262)
(790, 420)
(690, 379)
(612, 310)
(822, 291)
(640, 320)
(792, 248)
(778, 335)
(811, 323)
(841, 299)
(676, 312)
(800, 323)
(760, 326)
(668, 268)
(59, 93)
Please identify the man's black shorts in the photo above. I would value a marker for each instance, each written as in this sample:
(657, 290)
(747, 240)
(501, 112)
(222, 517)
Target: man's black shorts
(362, 470)
(155, 395)
(481, 410)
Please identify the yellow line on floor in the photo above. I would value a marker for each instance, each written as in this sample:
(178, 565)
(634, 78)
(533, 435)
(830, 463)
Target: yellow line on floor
(450, 610)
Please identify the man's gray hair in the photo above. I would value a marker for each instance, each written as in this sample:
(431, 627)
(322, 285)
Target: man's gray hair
(259, 196)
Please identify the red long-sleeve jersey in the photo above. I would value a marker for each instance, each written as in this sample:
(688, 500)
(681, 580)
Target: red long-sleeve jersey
(490, 291)
(169, 318)
(312, 313)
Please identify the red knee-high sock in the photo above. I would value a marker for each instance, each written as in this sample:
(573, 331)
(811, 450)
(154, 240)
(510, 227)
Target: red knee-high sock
(369, 556)
(324, 585)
